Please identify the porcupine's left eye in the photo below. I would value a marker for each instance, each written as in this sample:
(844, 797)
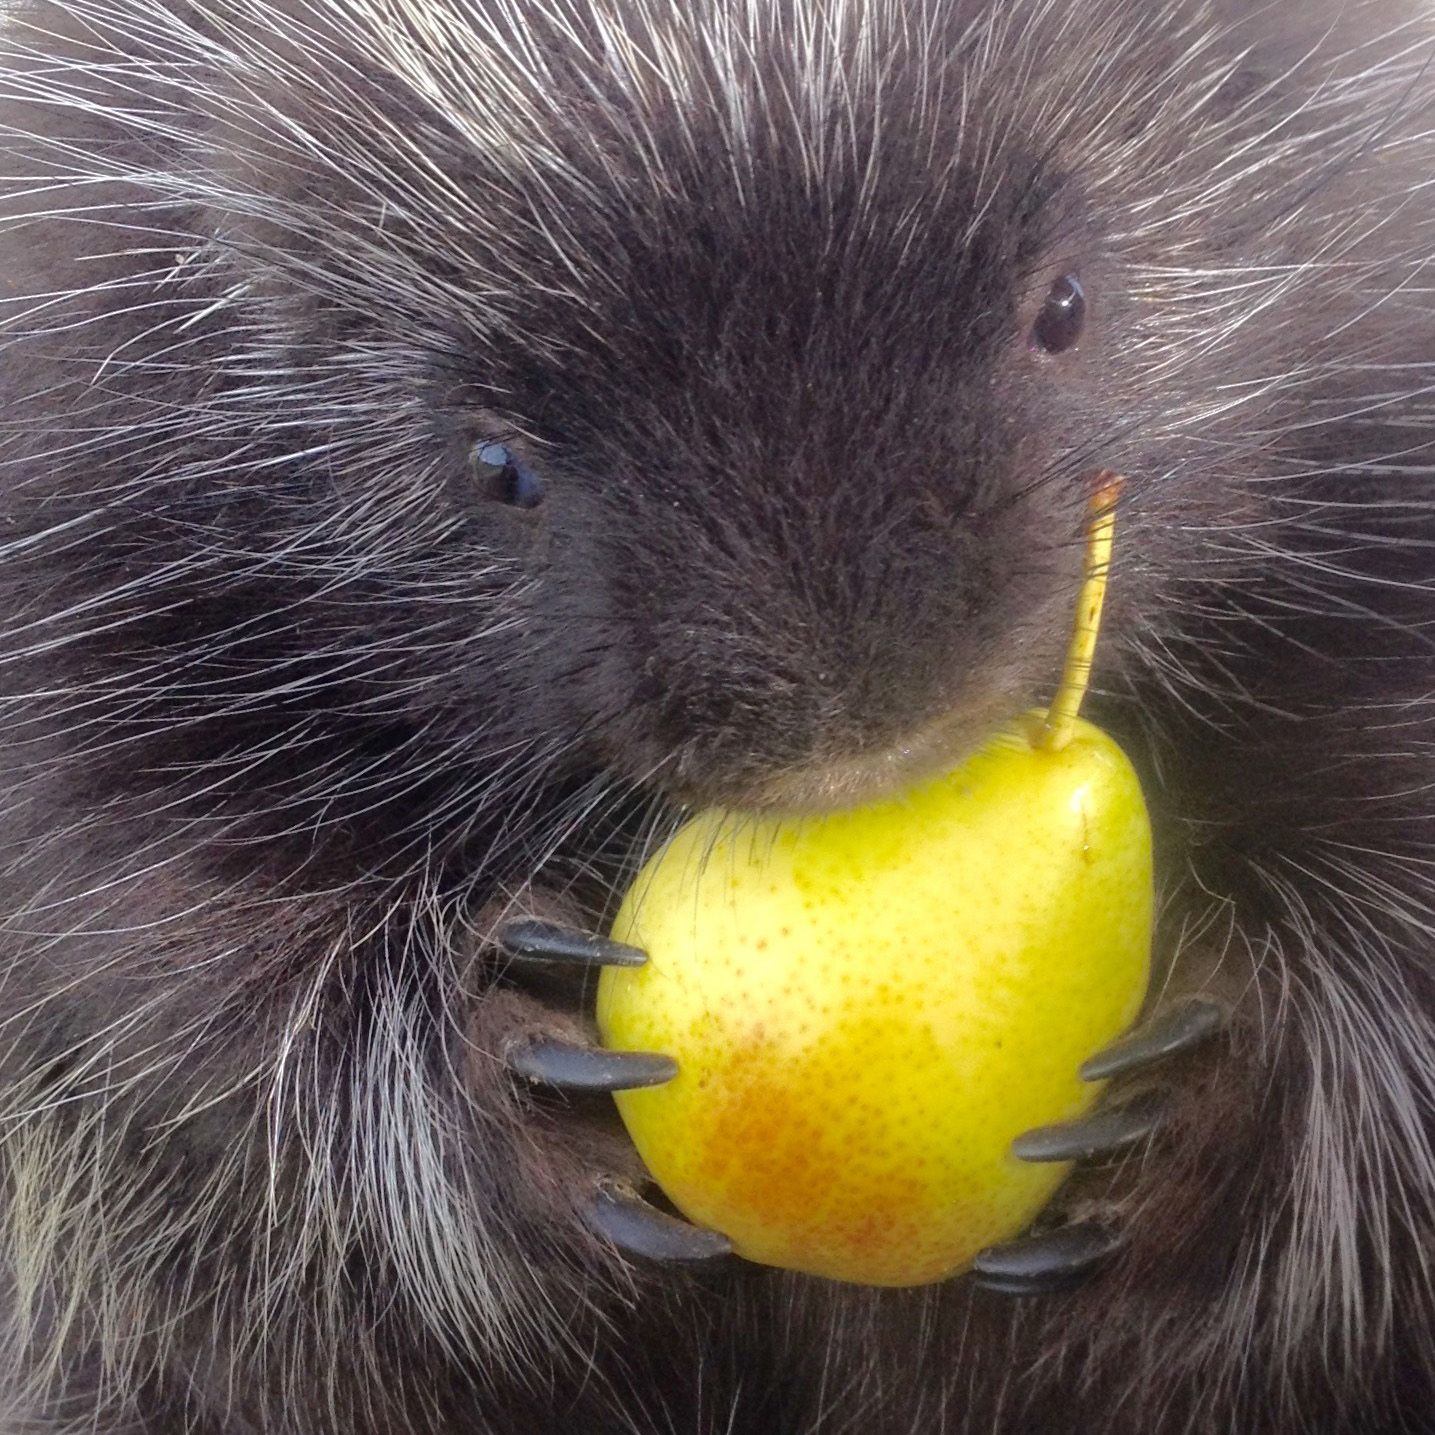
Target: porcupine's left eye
(1062, 318)
(505, 477)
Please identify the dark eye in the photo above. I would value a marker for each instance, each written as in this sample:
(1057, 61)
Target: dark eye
(1062, 317)
(505, 477)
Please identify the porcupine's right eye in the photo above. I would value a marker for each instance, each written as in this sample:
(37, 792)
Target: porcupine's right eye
(505, 477)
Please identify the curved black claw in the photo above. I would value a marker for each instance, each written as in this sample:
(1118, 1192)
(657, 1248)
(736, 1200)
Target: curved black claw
(1048, 1263)
(1180, 1027)
(574, 1067)
(1104, 1133)
(631, 1224)
(546, 941)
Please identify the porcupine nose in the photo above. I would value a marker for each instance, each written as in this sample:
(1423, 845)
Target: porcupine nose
(810, 705)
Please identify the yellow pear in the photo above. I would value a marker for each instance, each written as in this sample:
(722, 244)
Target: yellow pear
(866, 1007)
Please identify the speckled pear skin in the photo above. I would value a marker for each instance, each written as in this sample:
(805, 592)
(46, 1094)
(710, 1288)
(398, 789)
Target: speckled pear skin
(867, 1007)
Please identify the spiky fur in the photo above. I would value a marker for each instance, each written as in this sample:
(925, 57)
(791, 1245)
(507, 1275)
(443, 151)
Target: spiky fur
(289, 713)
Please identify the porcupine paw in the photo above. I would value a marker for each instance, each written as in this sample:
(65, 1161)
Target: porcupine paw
(1042, 1263)
(566, 1060)
(1061, 1258)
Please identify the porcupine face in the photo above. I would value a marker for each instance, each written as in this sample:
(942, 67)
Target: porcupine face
(766, 363)
(769, 359)
(808, 343)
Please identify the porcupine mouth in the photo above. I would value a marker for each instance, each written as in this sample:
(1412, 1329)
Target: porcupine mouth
(853, 780)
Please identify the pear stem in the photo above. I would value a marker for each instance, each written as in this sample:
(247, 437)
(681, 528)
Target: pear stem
(1060, 723)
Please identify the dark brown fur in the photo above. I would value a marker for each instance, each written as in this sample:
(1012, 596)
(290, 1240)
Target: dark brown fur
(293, 710)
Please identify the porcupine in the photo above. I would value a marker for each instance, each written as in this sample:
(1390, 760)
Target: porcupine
(443, 439)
